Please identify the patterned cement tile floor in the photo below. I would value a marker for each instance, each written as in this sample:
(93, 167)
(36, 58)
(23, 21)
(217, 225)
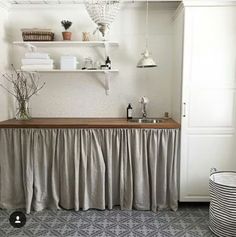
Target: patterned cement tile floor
(191, 220)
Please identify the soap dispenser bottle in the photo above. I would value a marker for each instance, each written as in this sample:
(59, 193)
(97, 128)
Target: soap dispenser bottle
(108, 63)
(129, 111)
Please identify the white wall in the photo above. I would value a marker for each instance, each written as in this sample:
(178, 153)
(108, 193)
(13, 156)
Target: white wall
(83, 95)
(5, 99)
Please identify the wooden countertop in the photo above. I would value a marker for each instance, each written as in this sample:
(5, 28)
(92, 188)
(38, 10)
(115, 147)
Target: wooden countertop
(84, 123)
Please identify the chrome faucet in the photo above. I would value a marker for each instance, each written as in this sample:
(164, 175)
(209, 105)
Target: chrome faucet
(144, 100)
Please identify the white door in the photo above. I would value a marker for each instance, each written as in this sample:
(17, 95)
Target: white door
(208, 99)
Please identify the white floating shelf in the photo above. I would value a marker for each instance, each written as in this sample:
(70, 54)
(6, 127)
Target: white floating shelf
(73, 71)
(65, 43)
(107, 74)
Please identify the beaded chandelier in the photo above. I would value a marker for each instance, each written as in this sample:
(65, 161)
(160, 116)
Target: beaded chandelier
(103, 13)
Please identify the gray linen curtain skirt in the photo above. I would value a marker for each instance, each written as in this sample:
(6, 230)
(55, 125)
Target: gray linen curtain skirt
(88, 168)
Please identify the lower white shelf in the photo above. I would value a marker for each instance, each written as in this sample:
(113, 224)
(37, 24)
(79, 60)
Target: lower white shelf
(69, 71)
(107, 74)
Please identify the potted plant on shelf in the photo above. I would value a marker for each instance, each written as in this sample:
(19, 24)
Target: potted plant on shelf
(66, 34)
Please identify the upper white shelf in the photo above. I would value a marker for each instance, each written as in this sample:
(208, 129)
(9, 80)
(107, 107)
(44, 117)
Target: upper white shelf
(43, 44)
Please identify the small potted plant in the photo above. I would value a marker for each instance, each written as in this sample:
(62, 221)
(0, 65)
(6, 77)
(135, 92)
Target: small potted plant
(66, 34)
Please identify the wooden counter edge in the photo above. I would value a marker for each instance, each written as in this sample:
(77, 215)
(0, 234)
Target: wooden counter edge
(84, 123)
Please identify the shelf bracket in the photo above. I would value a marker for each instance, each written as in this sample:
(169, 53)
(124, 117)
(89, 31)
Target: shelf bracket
(30, 47)
(107, 82)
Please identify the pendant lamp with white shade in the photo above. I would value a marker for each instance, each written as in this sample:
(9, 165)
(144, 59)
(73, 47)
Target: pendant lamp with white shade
(146, 61)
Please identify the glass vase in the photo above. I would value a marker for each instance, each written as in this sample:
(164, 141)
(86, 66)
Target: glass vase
(22, 110)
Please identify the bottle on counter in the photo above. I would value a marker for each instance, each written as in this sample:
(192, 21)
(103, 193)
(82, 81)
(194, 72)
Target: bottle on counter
(166, 115)
(108, 63)
(129, 111)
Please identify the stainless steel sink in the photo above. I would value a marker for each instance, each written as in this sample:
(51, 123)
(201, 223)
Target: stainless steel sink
(145, 120)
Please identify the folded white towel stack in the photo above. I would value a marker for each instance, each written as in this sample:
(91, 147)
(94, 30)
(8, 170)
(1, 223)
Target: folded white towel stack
(36, 61)
(36, 67)
(36, 55)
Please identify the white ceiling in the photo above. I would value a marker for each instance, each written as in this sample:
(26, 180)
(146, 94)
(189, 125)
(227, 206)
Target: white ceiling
(21, 4)
(44, 1)
(18, 2)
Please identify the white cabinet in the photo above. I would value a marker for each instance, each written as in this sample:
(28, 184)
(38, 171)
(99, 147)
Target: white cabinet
(208, 97)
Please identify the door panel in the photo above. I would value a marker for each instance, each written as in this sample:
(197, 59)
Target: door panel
(211, 108)
(209, 79)
(205, 152)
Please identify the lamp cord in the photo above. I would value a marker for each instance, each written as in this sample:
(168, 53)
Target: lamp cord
(147, 24)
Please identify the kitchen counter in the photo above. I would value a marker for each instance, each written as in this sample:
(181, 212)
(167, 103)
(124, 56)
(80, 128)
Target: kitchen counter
(83, 163)
(84, 123)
